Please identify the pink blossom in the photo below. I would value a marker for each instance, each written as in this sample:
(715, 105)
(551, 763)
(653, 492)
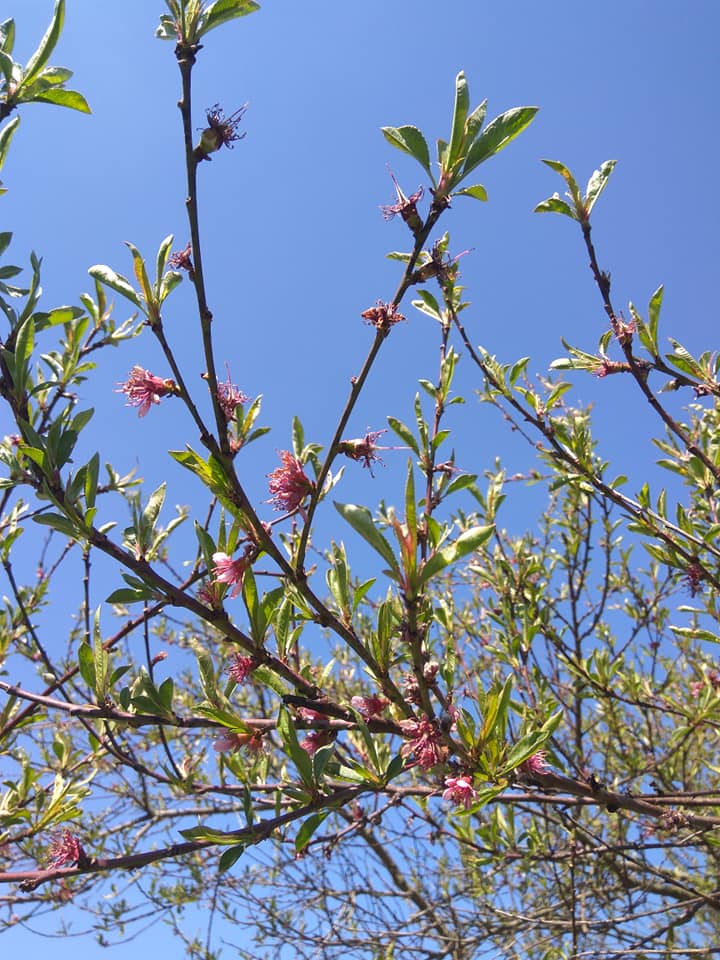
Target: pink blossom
(143, 389)
(460, 791)
(369, 707)
(230, 571)
(182, 259)
(535, 764)
(405, 206)
(425, 743)
(230, 742)
(288, 484)
(312, 742)
(66, 849)
(305, 713)
(242, 668)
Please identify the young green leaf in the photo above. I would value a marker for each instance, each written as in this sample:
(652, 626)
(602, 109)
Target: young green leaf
(497, 135)
(410, 140)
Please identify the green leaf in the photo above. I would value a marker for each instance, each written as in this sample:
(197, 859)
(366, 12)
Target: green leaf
(570, 180)
(300, 757)
(7, 36)
(308, 828)
(478, 192)
(116, 282)
(59, 523)
(63, 98)
(497, 135)
(460, 112)
(403, 431)
(362, 522)
(48, 43)
(6, 135)
(410, 140)
(222, 11)
(466, 543)
(555, 205)
(230, 857)
(597, 183)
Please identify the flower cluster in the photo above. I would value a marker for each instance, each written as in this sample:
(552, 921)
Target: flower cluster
(143, 389)
(535, 764)
(288, 484)
(424, 743)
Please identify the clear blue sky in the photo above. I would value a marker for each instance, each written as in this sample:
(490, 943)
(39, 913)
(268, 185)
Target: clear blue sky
(295, 242)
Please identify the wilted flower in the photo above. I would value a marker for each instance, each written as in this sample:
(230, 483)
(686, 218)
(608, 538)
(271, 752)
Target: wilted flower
(288, 484)
(405, 206)
(535, 764)
(369, 707)
(181, 259)
(242, 668)
(460, 791)
(229, 397)
(66, 849)
(425, 743)
(693, 577)
(382, 316)
(143, 389)
(364, 448)
(230, 571)
(220, 131)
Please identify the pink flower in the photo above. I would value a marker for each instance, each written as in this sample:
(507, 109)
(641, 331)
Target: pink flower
(314, 740)
(288, 484)
(230, 742)
(425, 743)
(229, 397)
(182, 259)
(405, 206)
(460, 791)
(242, 668)
(143, 389)
(230, 571)
(535, 764)
(369, 707)
(66, 849)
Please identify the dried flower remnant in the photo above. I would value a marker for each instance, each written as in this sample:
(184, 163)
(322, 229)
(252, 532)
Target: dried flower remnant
(230, 397)
(363, 448)
(535, 764)
(460, 790)
(382, 316)
(406, 207)
(288, 484)
(66, 850)
(143, 389)
(608, 367)
(182, 260)
(425, 743)
(242, 668)
(693, 578)
(220, 131)
(230, 571)
(369, 707)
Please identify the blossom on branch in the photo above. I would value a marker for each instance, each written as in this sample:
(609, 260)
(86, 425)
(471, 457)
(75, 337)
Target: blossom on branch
(229, 397)
(230, 742)
(382, 316)
(535, 764)
(406, 207)
(230, 571)
(288, 484)
(66, 850)
(425, 743)
(143, 389)
(221, 131)
(182, 259)
(312, 742)
(460, 791)
(242, 668)
(369, 707)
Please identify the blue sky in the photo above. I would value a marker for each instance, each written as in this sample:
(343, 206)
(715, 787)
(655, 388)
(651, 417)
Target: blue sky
(295, 242)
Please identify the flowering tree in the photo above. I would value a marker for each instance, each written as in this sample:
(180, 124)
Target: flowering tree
(497, 742)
